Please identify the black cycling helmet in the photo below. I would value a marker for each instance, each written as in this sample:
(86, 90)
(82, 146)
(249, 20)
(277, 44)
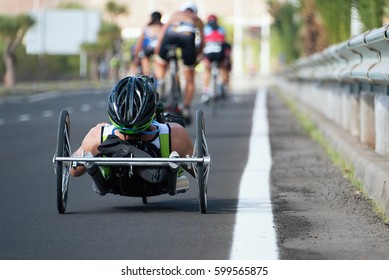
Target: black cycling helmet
(132, 104)
(156, 16)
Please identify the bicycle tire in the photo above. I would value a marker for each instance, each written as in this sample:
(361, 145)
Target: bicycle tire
(214, 92)
(201, 171)
(63, 169)
(176, 92)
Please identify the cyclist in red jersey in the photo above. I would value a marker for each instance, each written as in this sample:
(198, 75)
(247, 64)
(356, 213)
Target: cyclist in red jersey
(216, 49)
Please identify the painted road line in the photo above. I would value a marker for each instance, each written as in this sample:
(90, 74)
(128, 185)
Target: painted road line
(86, 107)
(24, 118)
(254, 234)
(42, 96)
(48, 113)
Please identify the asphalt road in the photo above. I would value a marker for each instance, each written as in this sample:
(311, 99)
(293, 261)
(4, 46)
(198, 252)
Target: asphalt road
(111, 227)
(317, 213)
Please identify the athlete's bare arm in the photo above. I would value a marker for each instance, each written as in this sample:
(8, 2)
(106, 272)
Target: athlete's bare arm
(181, 143)
(89, 144)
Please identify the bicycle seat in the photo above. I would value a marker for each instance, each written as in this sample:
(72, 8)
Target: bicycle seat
(172, 51)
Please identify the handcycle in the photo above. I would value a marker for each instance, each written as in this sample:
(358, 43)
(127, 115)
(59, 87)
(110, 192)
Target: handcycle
(200, 161)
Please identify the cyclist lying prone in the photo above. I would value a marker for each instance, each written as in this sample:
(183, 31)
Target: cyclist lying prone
(131, 109)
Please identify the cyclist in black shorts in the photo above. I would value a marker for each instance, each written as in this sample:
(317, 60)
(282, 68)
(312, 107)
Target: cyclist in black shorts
(183, 29)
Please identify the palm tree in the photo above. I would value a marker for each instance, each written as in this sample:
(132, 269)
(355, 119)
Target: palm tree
(336, 18)
(104, 47)
(115, 9)
(94, 51)
(286, 26)
(109, 39)
(314, 37)
(371, 12)
(12, 31)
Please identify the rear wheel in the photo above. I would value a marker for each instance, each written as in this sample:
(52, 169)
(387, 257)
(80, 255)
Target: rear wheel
(214, 89)
(63, 168)
(174, 95)
(175, 98)
(201, 169)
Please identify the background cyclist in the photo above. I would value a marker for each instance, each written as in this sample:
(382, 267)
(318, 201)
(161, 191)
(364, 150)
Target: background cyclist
(181, 30)
(216, 49)
(147, 42)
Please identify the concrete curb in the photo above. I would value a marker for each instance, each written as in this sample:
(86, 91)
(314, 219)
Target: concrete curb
(370, 168)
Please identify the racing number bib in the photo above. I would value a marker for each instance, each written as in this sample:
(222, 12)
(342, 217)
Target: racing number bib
(213, 47)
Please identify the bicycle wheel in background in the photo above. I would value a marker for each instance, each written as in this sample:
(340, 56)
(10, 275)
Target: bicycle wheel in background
(214, 96)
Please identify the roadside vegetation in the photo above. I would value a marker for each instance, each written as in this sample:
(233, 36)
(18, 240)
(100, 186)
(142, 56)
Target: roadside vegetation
(304, 27)
(18, 67)
(335, 156)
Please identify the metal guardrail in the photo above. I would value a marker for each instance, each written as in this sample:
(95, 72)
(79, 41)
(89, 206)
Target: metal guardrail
(356, 99)
(363, 58)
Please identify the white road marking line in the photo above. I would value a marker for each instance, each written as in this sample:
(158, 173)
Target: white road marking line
(254, 234)
(86, 108)
(47, 113)
(24, 118)
(69, 109)
(42, 96)
(102, 104)
(2, 122)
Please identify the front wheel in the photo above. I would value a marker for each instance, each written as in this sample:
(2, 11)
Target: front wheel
(63, 168)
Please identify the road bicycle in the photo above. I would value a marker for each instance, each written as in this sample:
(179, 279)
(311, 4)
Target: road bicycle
(172, 97)
(217, 90)
(214, 53)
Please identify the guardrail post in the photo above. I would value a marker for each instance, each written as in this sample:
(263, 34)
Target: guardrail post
(338, 101)
(346, 116)
(381, 105)
(317, 89)
(355, 118)
(367, 124)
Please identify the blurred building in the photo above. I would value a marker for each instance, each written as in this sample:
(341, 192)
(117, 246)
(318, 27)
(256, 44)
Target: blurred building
(249, 18)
